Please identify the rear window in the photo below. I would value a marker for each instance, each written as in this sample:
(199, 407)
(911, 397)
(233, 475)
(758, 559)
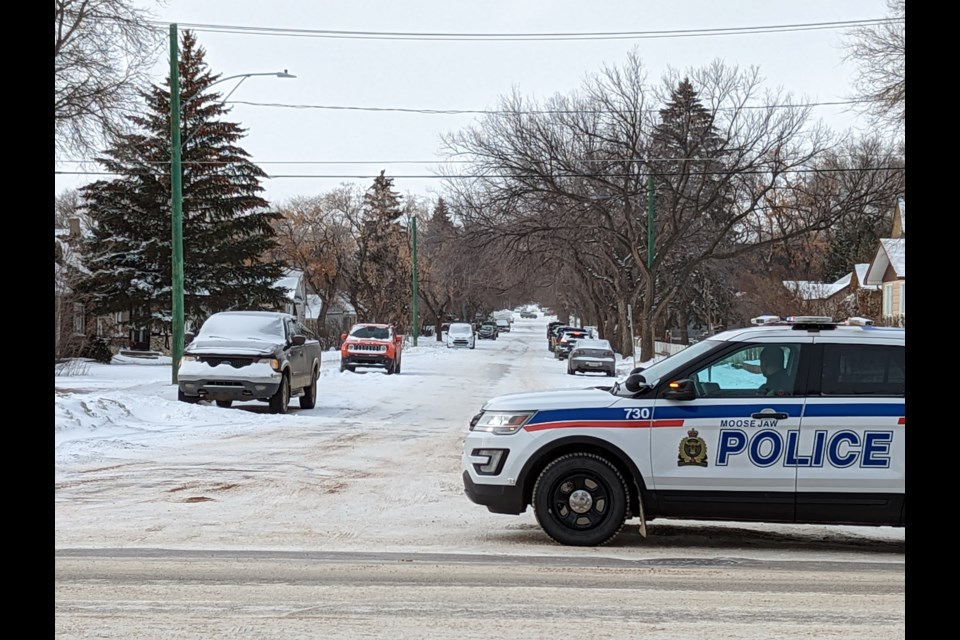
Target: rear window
(863, 370)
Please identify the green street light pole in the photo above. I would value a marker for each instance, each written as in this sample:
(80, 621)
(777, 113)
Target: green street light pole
(176, 192)
(416, 290)
(176, 204)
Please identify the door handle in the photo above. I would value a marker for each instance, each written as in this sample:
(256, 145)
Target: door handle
(779, 415)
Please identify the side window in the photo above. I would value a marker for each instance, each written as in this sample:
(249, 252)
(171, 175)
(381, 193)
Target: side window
(291, 328)
(754, 370)
(863, 370)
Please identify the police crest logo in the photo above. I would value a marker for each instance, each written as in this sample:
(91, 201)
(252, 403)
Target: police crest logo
(693, 450)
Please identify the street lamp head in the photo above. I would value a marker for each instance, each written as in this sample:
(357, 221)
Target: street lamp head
(284, 74)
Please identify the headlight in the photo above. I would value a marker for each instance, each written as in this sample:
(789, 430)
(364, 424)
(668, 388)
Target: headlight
(273, 362)
(502, 423)
(187, 358)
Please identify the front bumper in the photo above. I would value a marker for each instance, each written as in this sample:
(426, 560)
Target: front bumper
(229, 389)
(366, 360)
(496, 498)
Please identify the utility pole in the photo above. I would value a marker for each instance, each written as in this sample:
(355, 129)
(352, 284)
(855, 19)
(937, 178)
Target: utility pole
(176, 197)
(416, 290)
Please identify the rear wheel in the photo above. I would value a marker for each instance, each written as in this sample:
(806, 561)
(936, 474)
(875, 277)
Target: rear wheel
(280, 400)
(225, 404)
(309, 398)
(580, 499)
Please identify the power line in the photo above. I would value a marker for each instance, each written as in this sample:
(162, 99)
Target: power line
(530, 37)
(519, 112)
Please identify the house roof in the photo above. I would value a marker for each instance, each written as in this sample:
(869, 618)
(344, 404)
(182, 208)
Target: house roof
(892, 253)
(314, 305)
(861, 272)
(810, 290)
(291, 282)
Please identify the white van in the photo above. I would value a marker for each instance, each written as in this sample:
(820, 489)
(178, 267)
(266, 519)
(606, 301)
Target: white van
(460, 335)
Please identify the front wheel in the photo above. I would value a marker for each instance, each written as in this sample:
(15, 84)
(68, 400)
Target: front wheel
(182, 397)
(280, 400)
(309, 398)
(580, 499)
(224, 404)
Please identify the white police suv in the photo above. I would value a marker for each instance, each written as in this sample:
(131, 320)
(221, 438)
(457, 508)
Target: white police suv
(798, 421)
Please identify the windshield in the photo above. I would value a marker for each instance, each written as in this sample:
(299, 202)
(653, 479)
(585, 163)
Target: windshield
(368, 332)
(242, 327)
(653, 373)
(460, 329)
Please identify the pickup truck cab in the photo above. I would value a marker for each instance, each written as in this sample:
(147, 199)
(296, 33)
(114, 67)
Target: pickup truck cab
(371, 344)
(251, 355)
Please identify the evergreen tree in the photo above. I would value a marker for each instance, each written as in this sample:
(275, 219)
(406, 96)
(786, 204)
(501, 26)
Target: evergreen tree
(226, 224)
(384, 262)
(687, 150)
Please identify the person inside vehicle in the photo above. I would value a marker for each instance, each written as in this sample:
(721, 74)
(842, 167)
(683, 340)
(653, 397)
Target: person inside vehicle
(771, 366)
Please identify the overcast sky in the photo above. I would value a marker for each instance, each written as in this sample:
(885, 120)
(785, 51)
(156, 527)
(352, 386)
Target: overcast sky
(371, 80)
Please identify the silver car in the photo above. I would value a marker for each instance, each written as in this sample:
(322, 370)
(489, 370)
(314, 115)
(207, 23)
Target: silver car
(592, 355)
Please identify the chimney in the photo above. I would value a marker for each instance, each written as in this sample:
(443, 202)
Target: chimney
(74, 227)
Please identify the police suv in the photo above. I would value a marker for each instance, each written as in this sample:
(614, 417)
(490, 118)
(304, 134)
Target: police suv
(703, 435)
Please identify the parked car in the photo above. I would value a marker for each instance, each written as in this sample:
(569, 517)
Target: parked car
(503, 326)
(460, 335)
(528, 314)
(567, 340)
(557, 332)
(488, 331)
(695, 436)
(550, 327)
(592, 355)
(250, 355)
(372, 345)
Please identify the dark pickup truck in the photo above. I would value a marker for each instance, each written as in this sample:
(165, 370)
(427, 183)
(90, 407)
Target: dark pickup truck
(251, 355)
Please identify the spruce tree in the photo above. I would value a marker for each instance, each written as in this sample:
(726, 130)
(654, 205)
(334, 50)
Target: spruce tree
(385, 269)
(226, 223)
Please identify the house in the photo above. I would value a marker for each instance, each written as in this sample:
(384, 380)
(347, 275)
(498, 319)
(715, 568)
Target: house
(888, 271)
(339, 318)
(296, 298)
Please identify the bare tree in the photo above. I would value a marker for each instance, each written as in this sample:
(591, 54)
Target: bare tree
(880, 51)
(314, 236)
(103, 50)
(570, 180)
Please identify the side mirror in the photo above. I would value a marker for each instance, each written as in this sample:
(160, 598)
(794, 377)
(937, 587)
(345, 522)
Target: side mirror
(680, 390)
(188, 337)
(634, 382)
(298, 340)
(636, 370)
(343, 337)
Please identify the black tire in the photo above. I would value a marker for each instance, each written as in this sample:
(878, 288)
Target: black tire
(182, 397)
(580, 499)
(399, 362)
(571, 371)
(224, 404)
(392, 367)
(281, 399)
(309, 398)
(611, 374)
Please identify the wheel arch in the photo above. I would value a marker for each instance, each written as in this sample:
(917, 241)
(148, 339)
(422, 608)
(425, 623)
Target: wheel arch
(585, 444)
